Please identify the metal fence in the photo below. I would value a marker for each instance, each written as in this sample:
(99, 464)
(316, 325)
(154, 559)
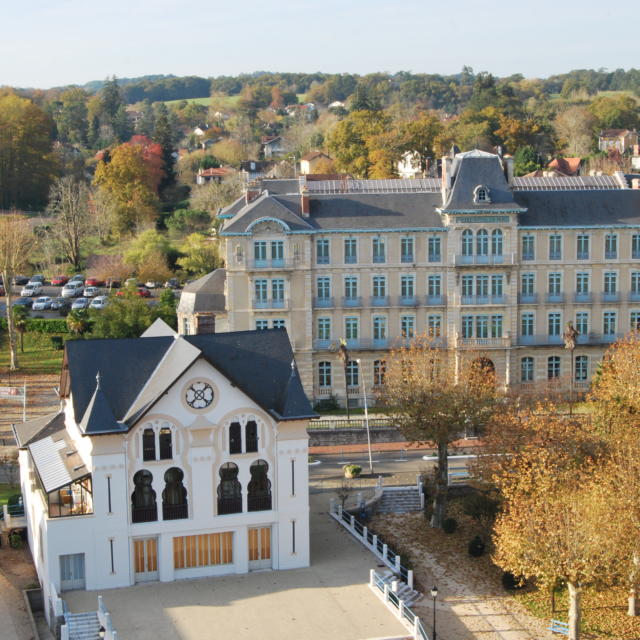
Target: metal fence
(353, 423)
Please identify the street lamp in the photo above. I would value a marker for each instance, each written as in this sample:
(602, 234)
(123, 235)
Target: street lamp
(343, 354)
(434, 595)
(570, 336)
(366, 417)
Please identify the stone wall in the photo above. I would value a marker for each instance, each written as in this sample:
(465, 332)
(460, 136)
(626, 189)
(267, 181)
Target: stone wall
(336, 437)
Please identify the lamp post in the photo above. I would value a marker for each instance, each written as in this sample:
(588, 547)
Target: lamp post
(343, 354)
(569, 337)
(434, 595)
(366, 418)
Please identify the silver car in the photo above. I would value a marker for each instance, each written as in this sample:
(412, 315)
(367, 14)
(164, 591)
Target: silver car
(99, 302)
(32, 289)
(42, 303)
(80, 303)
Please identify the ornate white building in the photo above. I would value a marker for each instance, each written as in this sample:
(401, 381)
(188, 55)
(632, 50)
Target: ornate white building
(171, 457)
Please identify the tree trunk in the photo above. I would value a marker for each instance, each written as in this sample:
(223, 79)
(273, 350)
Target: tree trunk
(553, 598)
(442, 486)
(633, 588)
(574, 611)
(11, 330)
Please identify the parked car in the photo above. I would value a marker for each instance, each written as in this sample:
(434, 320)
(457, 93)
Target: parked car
(23, 302)
(112, 282)
(143, 292)
(172, 283)
(80, 303)
(99, 302)
(93, 282)
(131, 282)
(37, 279)
(59, 281)
(60, 304)
(20, 280)
(42, 303)
(78, 277)
(151, 284)
(72, 289)
(91, 292)
(31, 289)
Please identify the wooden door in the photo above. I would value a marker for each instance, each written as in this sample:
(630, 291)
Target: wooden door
(260, 548)
(145, 557)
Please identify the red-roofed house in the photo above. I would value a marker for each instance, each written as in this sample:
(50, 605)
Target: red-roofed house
(566, 166)
(217, 174)
(309, 161)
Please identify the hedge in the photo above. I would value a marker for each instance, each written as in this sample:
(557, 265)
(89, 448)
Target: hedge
(41, 325)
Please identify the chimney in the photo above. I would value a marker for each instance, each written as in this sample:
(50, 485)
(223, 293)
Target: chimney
(251, 194)
(446, 169)
(635, 183)
(305, 204)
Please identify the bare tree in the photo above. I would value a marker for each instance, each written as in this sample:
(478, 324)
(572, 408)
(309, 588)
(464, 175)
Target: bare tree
(69, 205)
(575, 127)
(16, 243)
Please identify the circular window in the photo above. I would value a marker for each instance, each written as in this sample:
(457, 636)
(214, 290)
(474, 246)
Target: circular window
(199, 395)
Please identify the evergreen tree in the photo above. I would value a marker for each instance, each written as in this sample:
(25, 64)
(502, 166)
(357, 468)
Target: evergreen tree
(111, 98)
(163, 135)
(121, 125)
(146, 125)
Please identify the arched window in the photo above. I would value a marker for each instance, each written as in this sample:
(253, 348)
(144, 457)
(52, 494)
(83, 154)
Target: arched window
(259, 489)
(496, 242)
(235, 438)
(166, 450)
(148, 444)
(324, 374)
(467, 242)
(174, 496)
(251, 436)
(143, 498)
(482, 243)
(379, 367)
(481, 195)
(352, 373)
(526, 369)
(229, 490)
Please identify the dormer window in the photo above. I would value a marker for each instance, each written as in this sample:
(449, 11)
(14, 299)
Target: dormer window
(481, 195)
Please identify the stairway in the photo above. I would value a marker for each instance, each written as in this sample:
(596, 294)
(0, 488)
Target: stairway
(400, 500)
(83, 626)
(408, 595)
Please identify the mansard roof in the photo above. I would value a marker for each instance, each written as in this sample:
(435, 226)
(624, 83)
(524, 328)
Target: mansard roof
(204, 294)
(136, 372)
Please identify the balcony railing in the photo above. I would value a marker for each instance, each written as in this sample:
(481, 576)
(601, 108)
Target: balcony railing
(321, 344)
(323, 303)
(350, 259)
(144, 514)
(407, 257)
(610, 255)
(480, 343)
(379, 259)
(528, 298)
(351, 301)
(611, 297)
(584, 298)
(476, 300)
(175, 511)
(435, 257)
(379, 301)
(555, 297)
(407, 301)
(504, 259)
(273, 263)
(258, 503)
(436, 301)
(270, 303)
(634, 296)
(582, 255)
(229, 505)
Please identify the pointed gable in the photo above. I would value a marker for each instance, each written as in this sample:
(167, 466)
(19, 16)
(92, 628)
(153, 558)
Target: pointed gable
(99, 418)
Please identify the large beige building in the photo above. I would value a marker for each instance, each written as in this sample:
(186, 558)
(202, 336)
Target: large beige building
(479, 259)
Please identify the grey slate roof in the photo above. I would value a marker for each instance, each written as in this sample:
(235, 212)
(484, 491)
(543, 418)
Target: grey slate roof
(99, 418)
(266, 207)
(204, 294)
(277, 186)
(27, 432)
(135, 372)
(476, 168)
(576, 208)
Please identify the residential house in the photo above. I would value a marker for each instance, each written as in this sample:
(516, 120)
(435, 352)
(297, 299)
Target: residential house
(409, 165)
(170, 457)
(215, 174)
(310, 161)
(273, 146)
(566, 166)
(617, 139)
(478, 259)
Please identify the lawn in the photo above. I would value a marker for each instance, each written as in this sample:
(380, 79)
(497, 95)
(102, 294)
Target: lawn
(7, 490)
(38, 355)
(224, 101)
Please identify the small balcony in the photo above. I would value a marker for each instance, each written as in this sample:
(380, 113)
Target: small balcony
(379, 301)
(555, 298)
(274, 264)
(482, 300)
(175, 511)
(270, 303)
(351, 259)
(611, 297)
(583, 298)
(144, 514)
(379, 259)
(323, 303)
(582, 255)
(461, 260)
(634, 296)
(436, 301)
(407, 301)
(528, 298)
(351, 301)
(610, 255)
(483, 343)
(229, 505)
(610, 337)
(435, 257)
(406, 258)
(259, 503)
(321, 344)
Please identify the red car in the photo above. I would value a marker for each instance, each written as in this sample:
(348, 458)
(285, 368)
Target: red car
(140, 291)
(93, 282)
(59, 281)
(2, 291)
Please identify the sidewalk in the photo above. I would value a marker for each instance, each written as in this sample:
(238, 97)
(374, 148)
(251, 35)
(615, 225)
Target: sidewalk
(392, 446)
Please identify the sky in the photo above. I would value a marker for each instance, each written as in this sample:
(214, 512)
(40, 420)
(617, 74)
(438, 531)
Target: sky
(48, 43)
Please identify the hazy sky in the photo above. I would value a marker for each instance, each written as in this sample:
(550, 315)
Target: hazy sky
(48, 43)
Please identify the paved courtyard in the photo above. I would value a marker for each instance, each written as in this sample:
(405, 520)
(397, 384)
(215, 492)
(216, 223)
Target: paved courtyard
(330, 599)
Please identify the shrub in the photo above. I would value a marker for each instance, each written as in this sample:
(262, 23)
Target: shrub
(41, 325)
(510, 582)
(480, 506)
(57, 343)
(449, 525)
(15, 540)
(476, 547)
(352, 470)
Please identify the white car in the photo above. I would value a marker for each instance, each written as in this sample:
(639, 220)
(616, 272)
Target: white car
(90, 292)
(31, 289)
(42, 303)
(72, 289)
(99, 302)
(80, 303)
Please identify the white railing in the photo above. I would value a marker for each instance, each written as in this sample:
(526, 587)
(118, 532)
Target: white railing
(404, 613)
(105, 621)
(371, 540)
